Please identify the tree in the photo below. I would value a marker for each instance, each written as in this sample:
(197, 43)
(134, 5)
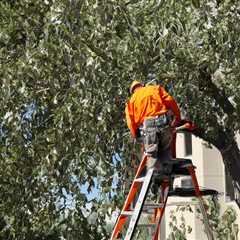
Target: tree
(65, 70)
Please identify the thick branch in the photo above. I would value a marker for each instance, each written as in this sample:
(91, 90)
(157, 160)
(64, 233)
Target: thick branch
(229, 150)
(213, 91)
(231, 159)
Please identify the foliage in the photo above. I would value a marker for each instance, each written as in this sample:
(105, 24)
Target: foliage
(179, 230)
(65, 67)
(223, 225)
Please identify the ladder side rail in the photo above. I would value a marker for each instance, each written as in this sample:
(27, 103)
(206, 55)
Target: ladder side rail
(160, 212)
(141, 166)
(130, 197)
(139, 205)
(133, 189)
(201, 202)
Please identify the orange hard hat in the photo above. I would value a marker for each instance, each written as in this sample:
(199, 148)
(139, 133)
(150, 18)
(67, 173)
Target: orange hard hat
(134, 84)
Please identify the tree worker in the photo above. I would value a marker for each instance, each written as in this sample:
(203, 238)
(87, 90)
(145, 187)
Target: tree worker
(156, 113)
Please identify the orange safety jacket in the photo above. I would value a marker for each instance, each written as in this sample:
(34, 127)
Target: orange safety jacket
(146, 102)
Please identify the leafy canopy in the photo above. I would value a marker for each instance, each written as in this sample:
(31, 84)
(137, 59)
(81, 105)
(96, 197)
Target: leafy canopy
(65, 70)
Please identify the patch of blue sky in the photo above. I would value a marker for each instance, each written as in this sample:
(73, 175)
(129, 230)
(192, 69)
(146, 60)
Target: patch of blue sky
(29, 111)
(68, 200)
(94, 193)
(115, 159)
(2, 130)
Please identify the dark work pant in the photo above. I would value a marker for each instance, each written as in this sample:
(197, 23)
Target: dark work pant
(157, 144)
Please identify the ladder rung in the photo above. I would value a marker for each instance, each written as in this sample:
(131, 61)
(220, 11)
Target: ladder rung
(146, 225)
(141, 179)
(127, 213)
(160, 205)
(152, 206)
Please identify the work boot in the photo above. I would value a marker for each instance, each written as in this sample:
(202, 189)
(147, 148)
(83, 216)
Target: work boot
(167, 168)
(151, 162)
(155, 185)
(154, 189)
(157, 179)
(162, 171)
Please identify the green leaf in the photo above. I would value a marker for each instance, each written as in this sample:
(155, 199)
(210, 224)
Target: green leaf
(196, 3)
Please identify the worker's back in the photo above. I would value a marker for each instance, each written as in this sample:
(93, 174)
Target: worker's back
(147, 102)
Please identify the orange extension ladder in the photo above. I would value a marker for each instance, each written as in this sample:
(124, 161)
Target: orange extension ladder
(135, 202)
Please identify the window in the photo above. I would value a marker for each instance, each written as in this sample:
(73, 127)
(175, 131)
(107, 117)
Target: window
(188, 143)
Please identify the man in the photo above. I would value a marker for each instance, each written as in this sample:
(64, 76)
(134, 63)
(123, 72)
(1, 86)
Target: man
(153, 110)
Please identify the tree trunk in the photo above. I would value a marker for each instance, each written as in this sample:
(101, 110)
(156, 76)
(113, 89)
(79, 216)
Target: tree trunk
(231, 159)
(225, 139)
(228, 147)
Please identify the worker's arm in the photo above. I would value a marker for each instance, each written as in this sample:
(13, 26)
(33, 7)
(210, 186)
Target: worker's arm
(130, 119)
(171, 104)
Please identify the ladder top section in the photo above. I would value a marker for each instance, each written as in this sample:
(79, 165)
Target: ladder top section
(190, 192)
(177, 166)
(180, 162)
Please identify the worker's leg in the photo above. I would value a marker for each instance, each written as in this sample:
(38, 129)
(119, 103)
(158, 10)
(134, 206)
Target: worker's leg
(166, 137)
(164, 149)
(162, 165)
(173, 145)
(151, 146)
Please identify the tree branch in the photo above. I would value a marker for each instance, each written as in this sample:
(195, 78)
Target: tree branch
(207, 85)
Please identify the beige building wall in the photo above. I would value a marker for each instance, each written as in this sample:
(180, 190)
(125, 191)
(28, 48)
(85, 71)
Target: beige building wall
(210, 173)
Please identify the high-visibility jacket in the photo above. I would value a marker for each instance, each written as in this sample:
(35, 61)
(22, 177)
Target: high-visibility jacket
(146, 102)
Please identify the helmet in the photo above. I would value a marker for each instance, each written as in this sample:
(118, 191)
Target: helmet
(134, 84)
